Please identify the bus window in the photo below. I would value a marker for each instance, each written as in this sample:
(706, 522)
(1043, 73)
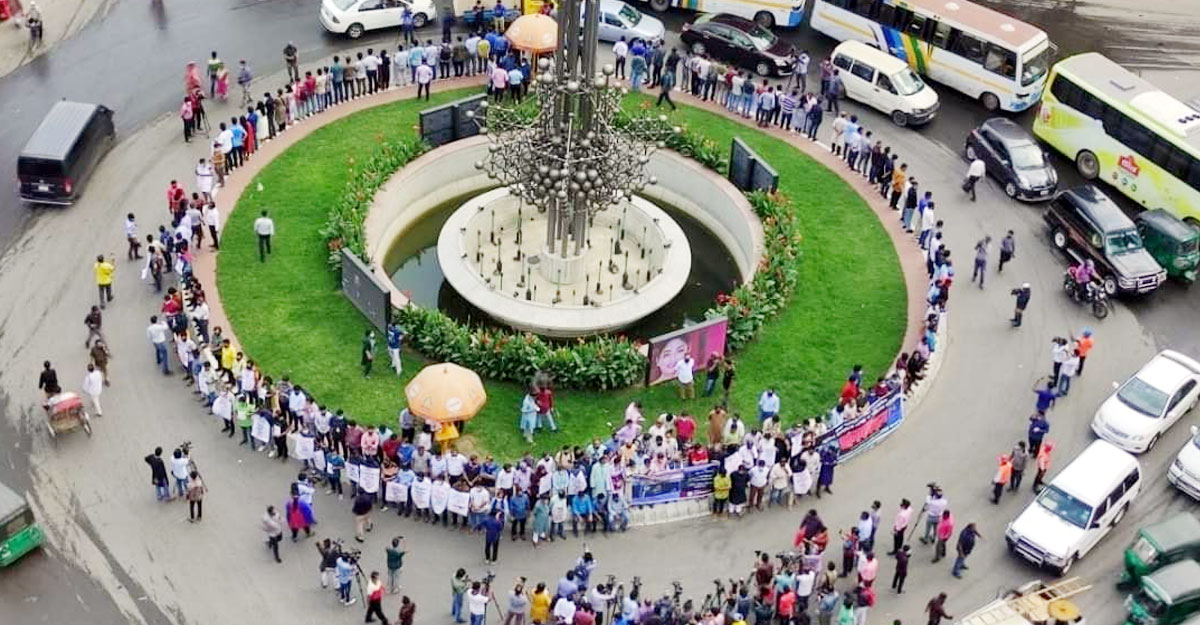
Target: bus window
(887, 13)
(916, 27)
(1001, 61)
(1193, 176)
(903, 17)
(861, 7)
(969, 48)
(941, 34)
(1178, 163)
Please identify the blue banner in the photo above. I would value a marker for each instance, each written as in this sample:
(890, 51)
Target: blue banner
(675, 485)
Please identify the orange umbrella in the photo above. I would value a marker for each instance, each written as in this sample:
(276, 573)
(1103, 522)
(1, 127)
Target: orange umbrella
(534, 33)
(445, 393)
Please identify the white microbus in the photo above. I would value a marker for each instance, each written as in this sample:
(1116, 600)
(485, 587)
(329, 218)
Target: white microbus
(994, 58)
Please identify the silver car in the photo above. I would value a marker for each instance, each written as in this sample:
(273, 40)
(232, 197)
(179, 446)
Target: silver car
(618, 19)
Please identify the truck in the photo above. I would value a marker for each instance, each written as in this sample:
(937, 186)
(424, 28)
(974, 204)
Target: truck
(1032, 603)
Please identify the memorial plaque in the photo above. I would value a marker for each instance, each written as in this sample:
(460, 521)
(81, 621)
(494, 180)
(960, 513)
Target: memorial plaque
(364, 291)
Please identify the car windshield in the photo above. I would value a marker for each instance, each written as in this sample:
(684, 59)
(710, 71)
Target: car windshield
(1188, 247)
(1027, 156)
(1124, 241)
(763, 39)
(1065, 506)
(1144, 550)
(1142, 397)
(631, 15)
(1034, 64)
(906, 82)
(343, 5)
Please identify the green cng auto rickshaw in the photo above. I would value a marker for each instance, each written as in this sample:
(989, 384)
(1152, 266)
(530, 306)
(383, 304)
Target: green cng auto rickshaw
(1160, 544)
(19, 532)
(1172, 242)
(1167, 596)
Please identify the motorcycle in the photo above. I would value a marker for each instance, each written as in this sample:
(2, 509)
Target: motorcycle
(1088, 293)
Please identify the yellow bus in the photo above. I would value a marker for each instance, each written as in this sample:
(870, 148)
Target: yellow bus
(1123, 130)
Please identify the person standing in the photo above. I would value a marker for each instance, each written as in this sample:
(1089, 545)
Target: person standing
(158, 475)
(291, 57)
(666, 83)
(1020, 458)
(1002, 477)
(493, 527)
(99, 355)
(375, 600)
(1083, 346)
(195, 497)
(900, 526)
(93, 321)
(976, 170)
(477, 601)
(408, 611)
(943, 534)
(395, 336)
(621, 52)
(1008, 248)
(363, 502)
(684, 375)
(981, 254)
(264, 228)
(966, 544)
(936, 609)
(423, 75)
(272, 526)
(212, 219)
(1068, 370)
(458, 591)
(935, 504)
(1043, 464)
(1038, 427)
(104, 269)
(345, 575)
(368, 352)
(1022, 294)
(159, 335)
(395, 560)
(93, 385)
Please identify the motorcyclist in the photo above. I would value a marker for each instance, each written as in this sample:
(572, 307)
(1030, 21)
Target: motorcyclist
(1084, 274)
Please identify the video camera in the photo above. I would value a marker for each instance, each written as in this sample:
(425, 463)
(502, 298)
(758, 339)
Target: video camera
(488, 576)
(342, 551)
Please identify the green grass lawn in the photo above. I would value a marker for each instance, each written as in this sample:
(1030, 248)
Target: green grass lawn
(849, 306)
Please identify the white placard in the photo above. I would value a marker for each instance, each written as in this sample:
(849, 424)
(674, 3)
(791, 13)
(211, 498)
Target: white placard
(396, 492)
(459, 502)
(293, 438)
(260, 430)
(318, 459)
(352, 472)
(420, 494)
(368, 479)
(304, 448)
(439, 496)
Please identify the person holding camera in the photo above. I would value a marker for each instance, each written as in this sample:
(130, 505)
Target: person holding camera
(395, 559)
(518, 604)
(345, 575)
(477, 601)
(458, 591)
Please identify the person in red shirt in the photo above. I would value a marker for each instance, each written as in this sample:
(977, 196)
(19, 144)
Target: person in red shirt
(698, 455)
(390, 446)
(787, 604)
(849, 391)
(685, 428)
(545, 404)
(175, 193)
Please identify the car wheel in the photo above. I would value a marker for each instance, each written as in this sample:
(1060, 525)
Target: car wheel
(1150, 446)
(697, 48)
(1066, 568)
(762, 69)
(660, 6)
(1010, 190)
(1060, 239)
(990, 101)
(1110, 286)
(764, 19)
(420, 20)
(900, 118)
(354, 31)
(971, 152)
(1087, 164)
(1120, 515)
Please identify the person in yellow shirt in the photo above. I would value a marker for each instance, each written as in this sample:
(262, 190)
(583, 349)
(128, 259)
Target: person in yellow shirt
(722, 483)
(104, 278)
(539, 604)
(227, 357)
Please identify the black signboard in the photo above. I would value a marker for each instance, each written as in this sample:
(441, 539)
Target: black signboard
(748, 171)
(764, 177)
(464, 125)
(364, 291)
(437, 125)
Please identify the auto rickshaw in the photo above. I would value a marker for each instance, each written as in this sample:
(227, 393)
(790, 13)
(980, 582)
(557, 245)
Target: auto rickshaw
(1172, 242)
(1167, 596)
(65, 413)
(1160, 544)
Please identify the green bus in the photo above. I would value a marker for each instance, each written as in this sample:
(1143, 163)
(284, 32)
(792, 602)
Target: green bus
(19, 532)
(1121, 129)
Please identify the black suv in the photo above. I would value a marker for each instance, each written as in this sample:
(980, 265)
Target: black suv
(1086, 224)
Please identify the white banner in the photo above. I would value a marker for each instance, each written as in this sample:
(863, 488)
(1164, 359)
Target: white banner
(439, 497)
(352, 472)
(396, 492)
(459, 502)
(420, 494)
(368, 479)
(318, 459)
(304, 448)
(260, 430)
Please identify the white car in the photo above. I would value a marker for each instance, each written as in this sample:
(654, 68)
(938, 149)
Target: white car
(618, 20)
(354, 17)
(1185, 471)
(1137, 414)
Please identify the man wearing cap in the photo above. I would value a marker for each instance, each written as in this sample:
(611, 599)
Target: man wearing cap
(1022, 294)
(1083, 345)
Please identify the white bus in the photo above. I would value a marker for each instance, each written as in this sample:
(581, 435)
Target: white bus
(767, 13)
(998, 60)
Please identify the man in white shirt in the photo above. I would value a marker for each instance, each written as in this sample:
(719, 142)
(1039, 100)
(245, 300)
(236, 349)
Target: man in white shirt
(477, 602)
(472, 46)
(225, 138)
(684, 375)
(212, 219)
(160, 335)
(264, 227)
(564, 609)
(800, 71)
(621, 51)
(975, 171)
(132, 237)
(93, 385)
(768, 405)
(424, 79)
(371, 63)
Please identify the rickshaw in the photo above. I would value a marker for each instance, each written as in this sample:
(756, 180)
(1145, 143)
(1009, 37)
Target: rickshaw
(19, 531)
(1172, 242)
(65, 413)
(1160, 544)
(1167, 596)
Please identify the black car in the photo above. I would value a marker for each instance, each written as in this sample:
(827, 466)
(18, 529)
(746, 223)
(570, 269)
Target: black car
(1014, 159)
(741, 42)
(1087, 225)
(59, 157)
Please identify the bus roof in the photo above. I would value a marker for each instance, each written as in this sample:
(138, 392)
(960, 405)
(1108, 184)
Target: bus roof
(1108, 78)
(1003, 27)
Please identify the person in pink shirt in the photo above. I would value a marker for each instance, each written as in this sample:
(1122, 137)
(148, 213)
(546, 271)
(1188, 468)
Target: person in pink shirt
(945, 529)
(787, 604)
(868, 569)
(499, 82)
(370, 442)
(900, 525)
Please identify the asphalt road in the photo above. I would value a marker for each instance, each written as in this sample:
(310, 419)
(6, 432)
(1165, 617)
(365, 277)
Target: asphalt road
(118, 557)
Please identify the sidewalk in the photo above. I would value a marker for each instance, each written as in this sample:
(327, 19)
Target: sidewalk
(62, 19)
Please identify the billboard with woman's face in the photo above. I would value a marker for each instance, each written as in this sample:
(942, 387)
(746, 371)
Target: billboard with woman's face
(699, 341)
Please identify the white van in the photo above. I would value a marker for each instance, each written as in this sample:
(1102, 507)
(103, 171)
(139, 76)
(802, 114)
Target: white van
(885, 82)
(1077, 508)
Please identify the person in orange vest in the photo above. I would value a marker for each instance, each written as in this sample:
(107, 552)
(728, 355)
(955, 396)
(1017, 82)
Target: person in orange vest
(1083, 345)
(1043, 464)
(1003, 475)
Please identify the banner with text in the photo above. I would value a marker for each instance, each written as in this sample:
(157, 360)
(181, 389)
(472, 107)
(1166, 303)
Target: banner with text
(679, 484)
(865, 431)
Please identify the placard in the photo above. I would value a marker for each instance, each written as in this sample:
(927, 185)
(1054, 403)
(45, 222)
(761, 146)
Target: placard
(459, 502)
(368, 479)
(304, 448)
(439, 497)
(260, 430)
(352, 472)
(395, 492)
(420, 494)
(318, 459)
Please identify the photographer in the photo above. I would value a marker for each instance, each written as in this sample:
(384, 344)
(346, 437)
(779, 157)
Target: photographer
(345, 575)
(518, 604)
(458, 590)
(477, 601)
(395, 560)
(329, 557)
(599, 597)
(935, 503)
